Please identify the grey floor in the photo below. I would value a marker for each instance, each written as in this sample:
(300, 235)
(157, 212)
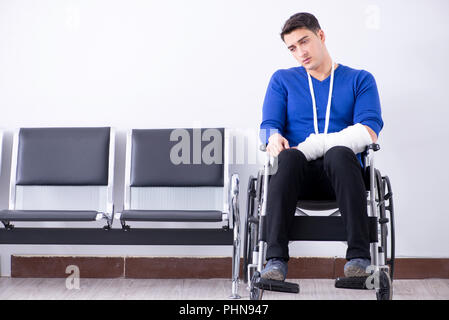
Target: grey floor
(192, 289)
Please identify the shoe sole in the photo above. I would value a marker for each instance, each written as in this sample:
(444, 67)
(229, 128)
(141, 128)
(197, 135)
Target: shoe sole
(273, 275)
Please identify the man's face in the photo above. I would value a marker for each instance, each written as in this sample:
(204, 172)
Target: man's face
(307, 47)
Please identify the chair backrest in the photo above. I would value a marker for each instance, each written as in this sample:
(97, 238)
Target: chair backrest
(62, 168)
(177, 169)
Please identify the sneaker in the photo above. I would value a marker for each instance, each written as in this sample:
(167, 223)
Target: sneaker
(357, 267)
(275, 269)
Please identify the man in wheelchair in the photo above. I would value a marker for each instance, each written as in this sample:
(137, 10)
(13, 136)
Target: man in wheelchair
(317, 119)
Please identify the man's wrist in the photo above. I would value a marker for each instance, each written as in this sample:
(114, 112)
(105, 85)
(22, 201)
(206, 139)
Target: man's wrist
(275, 135)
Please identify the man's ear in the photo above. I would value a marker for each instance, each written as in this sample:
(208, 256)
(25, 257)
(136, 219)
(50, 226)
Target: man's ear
(321, 35)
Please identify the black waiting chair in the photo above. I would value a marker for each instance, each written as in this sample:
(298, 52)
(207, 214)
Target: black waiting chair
(59, 176)
(178, 180)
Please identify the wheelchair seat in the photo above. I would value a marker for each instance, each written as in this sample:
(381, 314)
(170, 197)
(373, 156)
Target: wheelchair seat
(317, 205)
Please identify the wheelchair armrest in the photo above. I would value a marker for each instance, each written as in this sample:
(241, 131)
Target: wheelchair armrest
(373, 146)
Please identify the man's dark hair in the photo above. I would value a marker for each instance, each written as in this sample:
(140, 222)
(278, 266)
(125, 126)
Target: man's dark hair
(300, 20)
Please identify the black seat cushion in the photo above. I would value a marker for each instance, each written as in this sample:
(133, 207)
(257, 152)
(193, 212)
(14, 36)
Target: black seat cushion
(172, 215)
(47, 215)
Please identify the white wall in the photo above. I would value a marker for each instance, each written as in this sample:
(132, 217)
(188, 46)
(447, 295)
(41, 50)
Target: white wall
(154, 64)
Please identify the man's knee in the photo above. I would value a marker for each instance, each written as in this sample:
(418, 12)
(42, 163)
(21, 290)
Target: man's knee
(291, 155)
(338, 157)
(289, 161)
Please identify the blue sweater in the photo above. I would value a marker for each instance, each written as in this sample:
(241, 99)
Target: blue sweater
(287, 107)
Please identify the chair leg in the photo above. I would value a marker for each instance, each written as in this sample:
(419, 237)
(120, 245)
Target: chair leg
(8, 225)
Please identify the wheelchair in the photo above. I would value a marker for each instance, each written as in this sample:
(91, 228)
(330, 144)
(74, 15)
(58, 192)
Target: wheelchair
(307, 227)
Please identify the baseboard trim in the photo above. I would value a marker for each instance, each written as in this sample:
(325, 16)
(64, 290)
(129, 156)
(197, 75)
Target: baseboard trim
(34, 266)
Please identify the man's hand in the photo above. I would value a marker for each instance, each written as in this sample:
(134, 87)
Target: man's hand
(276, 143)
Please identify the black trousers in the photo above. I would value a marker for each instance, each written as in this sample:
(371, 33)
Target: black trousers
(338, 175)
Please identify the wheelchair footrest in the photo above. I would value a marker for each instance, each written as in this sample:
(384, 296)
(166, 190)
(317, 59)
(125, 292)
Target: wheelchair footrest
(276, 285)
(351, 283)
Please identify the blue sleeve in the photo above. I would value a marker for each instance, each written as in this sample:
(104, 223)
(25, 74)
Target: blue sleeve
(274, 111)
(367, 103)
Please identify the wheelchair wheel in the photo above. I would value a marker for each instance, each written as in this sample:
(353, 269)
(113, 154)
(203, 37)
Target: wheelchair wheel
(390, 208)
(385, 221)
(251, 228)
(385, 290)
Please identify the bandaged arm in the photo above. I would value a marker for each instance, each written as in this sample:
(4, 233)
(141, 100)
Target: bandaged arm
(355, 137)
